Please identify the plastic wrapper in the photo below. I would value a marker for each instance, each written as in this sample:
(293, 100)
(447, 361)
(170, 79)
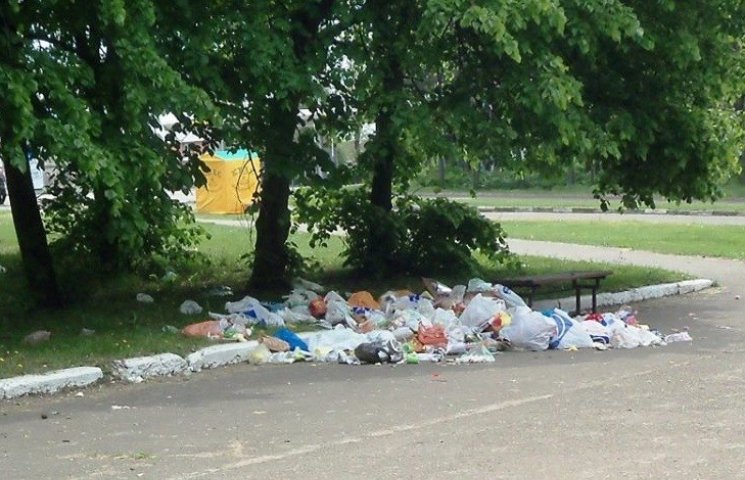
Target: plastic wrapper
(275, 344)
(480, 355)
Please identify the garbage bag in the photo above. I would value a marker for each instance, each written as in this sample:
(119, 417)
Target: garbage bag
(479, 311)
(255, 312)
(568, 334)
(377, 353)
(530, 330)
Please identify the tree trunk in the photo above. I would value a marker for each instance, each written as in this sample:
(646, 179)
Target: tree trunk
(271, 254)
(271, 261)
(32, 238)
(381, 192)
(441, 172)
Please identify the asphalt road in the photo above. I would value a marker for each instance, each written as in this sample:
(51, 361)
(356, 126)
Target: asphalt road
(670, 412)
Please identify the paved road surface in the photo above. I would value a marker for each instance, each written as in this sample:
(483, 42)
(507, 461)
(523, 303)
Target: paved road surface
(672, 412)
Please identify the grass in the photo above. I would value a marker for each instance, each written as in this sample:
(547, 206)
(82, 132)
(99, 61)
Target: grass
(126, 328)
(726, 241)
(581, 197)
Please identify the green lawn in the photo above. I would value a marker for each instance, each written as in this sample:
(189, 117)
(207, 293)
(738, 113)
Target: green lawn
(725, 241)
(581, 197)
(126, 328)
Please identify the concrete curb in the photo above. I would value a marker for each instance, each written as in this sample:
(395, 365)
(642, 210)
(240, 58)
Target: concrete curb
(138, 369)
(220, 355)
(48, 383)
(629, 296)
(647, 211)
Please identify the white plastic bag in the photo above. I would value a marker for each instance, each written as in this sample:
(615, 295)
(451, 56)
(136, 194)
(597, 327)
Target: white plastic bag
(426, 308)
(479, 355)
(337, 310)
(597, 331)
(511, 298)
(308, 285)
(678, 337)
(380, 336)
(255, 312)
(529, 330)
(479, 311)
(568, 333)
(144, 298)
(297, 315)
(190, 307)
(476, 285)
(408, 318)
(334, 340)
(300, 297)
(627, 337)
(443, 317)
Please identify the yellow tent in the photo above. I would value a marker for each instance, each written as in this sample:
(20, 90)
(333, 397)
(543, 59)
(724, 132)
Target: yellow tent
(231, 182)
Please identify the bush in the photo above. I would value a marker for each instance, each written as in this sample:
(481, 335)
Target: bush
(420, 236)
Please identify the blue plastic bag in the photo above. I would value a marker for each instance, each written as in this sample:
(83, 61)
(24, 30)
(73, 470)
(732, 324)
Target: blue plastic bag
(291, 338)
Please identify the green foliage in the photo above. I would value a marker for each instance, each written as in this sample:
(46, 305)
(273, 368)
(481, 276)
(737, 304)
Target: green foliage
(426, 236)
(89, 85)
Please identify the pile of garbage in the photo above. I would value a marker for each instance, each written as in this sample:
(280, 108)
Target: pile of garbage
(464, 324)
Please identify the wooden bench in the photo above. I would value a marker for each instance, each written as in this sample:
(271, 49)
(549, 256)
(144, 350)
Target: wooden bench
(578, 280)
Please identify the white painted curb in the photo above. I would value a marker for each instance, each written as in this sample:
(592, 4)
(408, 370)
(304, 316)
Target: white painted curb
(51, 382)
(138, 369)
(219, 355)
(629, 296)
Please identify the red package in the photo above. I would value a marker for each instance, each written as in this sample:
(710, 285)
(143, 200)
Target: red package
(432, 336)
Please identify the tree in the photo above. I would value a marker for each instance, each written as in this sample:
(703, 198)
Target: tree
(111, 187)
(20, 73)
(265, 61)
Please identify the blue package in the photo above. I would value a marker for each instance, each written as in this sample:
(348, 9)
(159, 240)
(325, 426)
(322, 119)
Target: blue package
(291, 338)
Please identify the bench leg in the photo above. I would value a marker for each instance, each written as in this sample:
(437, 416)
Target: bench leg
(578, 293)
